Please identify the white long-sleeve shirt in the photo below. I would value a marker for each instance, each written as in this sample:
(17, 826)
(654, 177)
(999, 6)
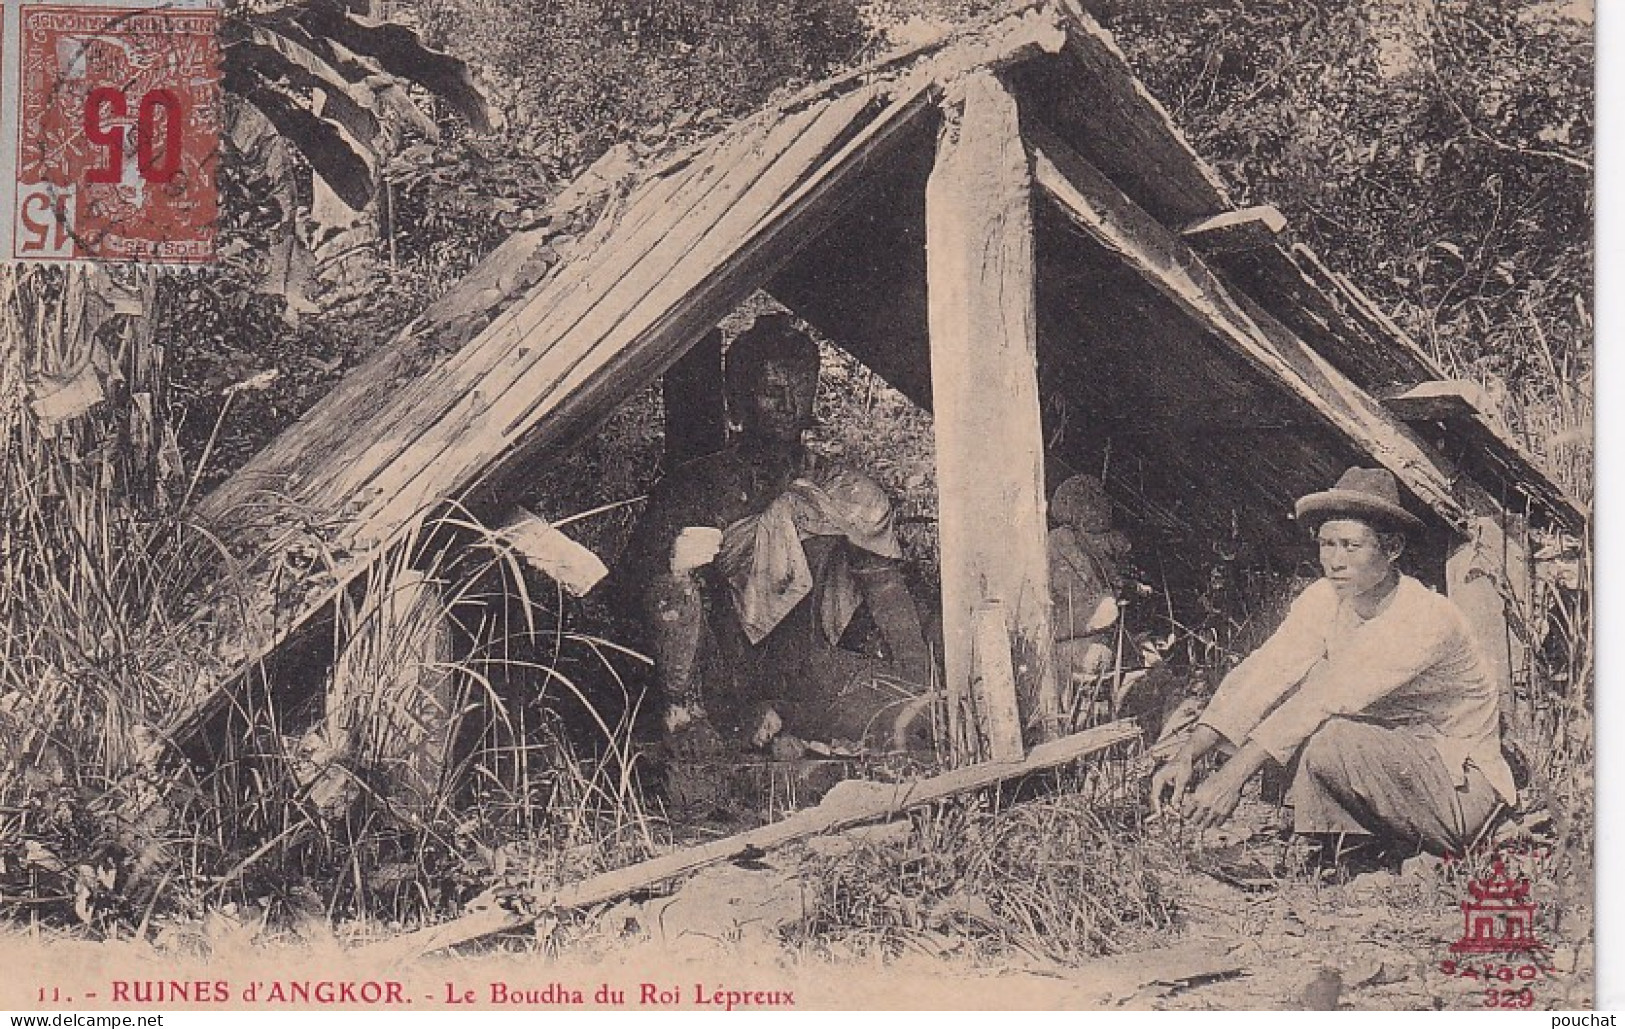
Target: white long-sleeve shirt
(1414, 665)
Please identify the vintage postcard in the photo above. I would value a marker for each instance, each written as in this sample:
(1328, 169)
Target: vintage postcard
(1068, 504)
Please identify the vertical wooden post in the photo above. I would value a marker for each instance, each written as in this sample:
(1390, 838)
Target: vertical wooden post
(391, 704)
(692, 395)
(1480, 572)
(1520, 576)
(984, 383)
(993, 685)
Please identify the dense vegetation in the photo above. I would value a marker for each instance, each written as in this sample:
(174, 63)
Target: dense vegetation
(1437, 154)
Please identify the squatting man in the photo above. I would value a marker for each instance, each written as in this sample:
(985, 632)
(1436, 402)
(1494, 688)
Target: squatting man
(1373, 692)
(752, 563)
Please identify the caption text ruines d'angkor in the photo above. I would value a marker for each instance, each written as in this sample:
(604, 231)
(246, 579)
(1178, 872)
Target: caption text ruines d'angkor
(392, 993)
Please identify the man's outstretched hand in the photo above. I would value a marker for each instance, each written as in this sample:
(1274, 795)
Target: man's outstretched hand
(1207, 807)
(1216, 799)
(1213, 801)
(1169, 784)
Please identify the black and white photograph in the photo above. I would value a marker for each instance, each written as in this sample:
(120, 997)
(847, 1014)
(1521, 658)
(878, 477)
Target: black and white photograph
(751, 505)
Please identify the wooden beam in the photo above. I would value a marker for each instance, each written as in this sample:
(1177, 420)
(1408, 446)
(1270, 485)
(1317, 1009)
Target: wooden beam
(980, 280)
(1092, 98)
(1510, 471)
(993, 685)
(691, 396)
(1487, 576)
(851, 803)
(1097, 207)
(451, 322)
(1249, 228)
(1441, 400)
(1485, 446)
(1342, 326)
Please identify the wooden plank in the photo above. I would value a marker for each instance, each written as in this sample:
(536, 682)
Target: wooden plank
(1485, 445)
(441, 459)
(991, 41)
(993, 684)
(434, 392)
(984, 381)
(733, 227)
(1359, 303)
(633, 228)
(1230, 232)
(466, 394)
(855, 804)
(339, 428)
(1489, 453)
(1441, 400)
(359, 396)
(1094, 101)
(1107, 216)
(1294, 287)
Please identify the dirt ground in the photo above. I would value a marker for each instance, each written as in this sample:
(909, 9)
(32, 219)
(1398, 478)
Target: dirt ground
(1244, 936)
(1373, 940)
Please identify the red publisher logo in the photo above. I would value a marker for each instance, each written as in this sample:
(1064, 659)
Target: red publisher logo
(1500, 917)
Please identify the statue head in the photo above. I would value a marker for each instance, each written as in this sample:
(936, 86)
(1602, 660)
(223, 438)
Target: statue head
(772, 379)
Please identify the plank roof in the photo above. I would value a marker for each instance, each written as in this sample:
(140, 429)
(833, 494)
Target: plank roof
(811, 198)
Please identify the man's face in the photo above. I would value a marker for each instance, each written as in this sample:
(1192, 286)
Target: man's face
(780, 404)
(1352, 557)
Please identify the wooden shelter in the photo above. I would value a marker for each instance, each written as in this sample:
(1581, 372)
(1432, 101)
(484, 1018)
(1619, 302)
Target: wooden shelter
(1006, 227)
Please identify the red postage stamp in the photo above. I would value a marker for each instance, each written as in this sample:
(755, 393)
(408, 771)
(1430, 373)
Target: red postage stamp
(117, 132)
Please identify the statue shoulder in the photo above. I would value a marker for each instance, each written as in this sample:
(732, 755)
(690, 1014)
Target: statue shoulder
(853, 487)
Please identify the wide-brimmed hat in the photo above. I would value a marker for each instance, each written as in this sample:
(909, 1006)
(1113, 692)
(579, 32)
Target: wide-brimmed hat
(1370, 494)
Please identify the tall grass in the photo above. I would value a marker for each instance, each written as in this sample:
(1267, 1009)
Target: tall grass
(417, 766)
(1059, 875)
(88, 585)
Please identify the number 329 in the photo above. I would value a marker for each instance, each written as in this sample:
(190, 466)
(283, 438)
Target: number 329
(1524, 998)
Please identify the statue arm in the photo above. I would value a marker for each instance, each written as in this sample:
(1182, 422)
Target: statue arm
(671, 599)
(676, 614)
(892, 607)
